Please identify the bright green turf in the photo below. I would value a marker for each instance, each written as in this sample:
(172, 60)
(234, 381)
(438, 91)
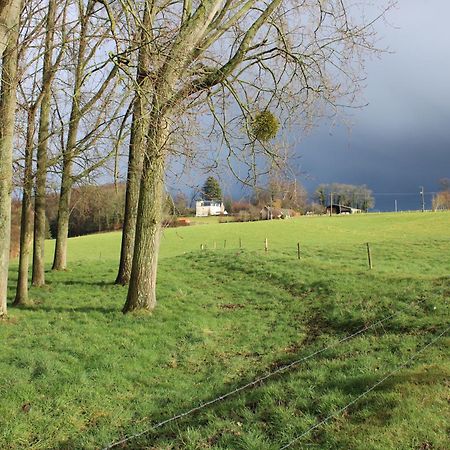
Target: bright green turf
(92, 375)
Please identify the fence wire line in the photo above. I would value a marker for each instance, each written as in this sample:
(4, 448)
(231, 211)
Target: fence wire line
(250, 384)
(373, 387)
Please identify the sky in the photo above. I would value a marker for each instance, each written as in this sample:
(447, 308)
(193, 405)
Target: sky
(401, 140)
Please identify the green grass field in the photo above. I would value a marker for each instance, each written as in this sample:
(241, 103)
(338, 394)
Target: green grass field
(77, 374)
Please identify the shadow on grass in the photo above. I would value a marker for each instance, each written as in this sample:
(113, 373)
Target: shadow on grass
(262, 270)
(378, 410)
(69, 309)
(88, 283)
(84, 309)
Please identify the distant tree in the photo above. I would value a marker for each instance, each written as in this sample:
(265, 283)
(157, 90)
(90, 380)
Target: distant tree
(441, 201)
(281, 193)
(228, 203)
(316, 208)
(96, 208)
(179, 205)
(445, 184)
(360, 197)
(211, 189)
(294, 196)
(320, 195)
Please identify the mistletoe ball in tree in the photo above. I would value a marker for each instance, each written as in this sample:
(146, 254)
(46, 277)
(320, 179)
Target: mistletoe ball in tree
(265, 126)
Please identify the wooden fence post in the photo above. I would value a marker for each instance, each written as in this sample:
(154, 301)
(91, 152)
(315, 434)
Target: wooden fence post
(369, 256)
(266, 245)
(298, 250)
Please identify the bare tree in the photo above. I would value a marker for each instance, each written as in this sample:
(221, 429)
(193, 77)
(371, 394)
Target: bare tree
(252, 56)
(31, 96)
(48, 73)
(9, 32)
(143, 86)
(92, 101)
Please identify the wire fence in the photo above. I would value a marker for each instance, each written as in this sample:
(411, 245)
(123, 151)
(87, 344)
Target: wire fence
(259, 381)
(365, 393)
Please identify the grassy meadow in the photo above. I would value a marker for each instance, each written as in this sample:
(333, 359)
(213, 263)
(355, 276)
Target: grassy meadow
(78, 374)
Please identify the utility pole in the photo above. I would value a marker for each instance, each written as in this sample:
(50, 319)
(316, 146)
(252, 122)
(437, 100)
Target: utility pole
(422, 194)
(331, 204)
(396, 209)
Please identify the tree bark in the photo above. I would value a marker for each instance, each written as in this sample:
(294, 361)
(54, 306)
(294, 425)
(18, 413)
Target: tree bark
(7, 114)
(137, 140)
(38, 278)
(26, 217)
(9, 13)
(142, 289)
(139, 127)
(62, 233)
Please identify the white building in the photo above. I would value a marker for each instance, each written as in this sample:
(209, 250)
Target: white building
(205, 208)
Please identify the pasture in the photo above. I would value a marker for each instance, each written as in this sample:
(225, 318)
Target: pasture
(77, 374)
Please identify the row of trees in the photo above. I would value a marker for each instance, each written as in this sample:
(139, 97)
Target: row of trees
(360, 197)
(92, 78)
(93, 209)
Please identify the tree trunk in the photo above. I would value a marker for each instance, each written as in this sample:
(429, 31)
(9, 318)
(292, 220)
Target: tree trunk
(62, 233)
(9, 13)
(7, 114)
(40, 228)
(136, 153)
(142, 289)
(26, 218)
(60, 256)
(76, 114)
(137, 141)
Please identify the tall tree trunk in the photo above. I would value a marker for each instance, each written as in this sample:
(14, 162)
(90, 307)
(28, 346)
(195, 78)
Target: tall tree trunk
(78, 111)
(142, 288)
(135, 158)
(40, 228)
(7, 114)
(139, 127)
(62, 233)
(26, 218)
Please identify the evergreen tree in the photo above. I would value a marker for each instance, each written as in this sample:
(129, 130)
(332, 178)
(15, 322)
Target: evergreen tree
(211, 189)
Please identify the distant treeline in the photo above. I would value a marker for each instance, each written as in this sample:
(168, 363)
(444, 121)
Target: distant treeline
(360, 197)
(93, 209)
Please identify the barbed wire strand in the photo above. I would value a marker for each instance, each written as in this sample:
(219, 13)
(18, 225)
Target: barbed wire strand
(250, 384)
(373, 387)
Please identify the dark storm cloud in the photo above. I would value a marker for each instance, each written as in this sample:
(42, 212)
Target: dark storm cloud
(402, 139)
